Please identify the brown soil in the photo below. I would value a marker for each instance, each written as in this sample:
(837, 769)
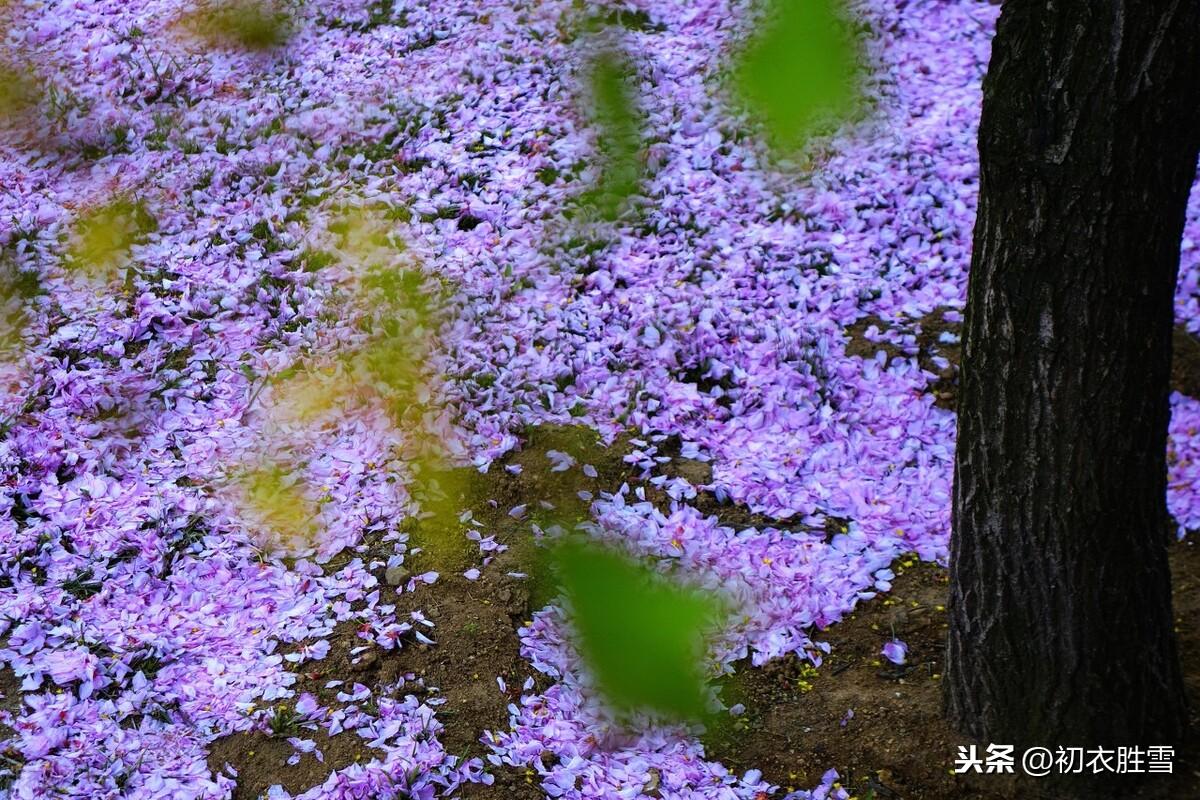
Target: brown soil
(1185, 579)
(11, 760)
(10, 696)
(1185, 363)
(945, 386)
(928, 330)
(476, 621)
(896, 746)
(859, 345)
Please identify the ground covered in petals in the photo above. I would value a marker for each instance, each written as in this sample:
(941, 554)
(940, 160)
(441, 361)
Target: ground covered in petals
(307, 344)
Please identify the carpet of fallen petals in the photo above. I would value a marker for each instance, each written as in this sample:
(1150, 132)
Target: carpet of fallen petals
(143, 614)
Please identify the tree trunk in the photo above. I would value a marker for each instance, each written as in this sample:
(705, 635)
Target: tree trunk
(1060, 608)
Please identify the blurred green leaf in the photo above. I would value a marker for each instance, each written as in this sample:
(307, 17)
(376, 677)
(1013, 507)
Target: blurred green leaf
(641, 634)
(389, 284)
(615, 114)
(799, 69)
(245, 24)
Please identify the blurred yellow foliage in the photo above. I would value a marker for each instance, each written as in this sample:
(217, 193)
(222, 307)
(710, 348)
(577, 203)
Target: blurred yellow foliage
(364, 236)
(305, 394)
(397, 308)
(20, 93)
(105, 234)
(275, 500)
(16, 287)
(442, 492)
(245, 24)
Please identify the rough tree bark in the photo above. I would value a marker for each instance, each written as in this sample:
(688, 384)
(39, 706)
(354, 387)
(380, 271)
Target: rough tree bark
(1060, 612)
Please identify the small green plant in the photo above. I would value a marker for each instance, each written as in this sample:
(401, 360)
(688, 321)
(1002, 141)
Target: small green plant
(148, 664)
(284, 721)
(316, 260)
(82, 585)
(17, 286)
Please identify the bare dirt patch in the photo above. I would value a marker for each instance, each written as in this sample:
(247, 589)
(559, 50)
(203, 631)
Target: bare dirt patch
(10, 704)
(1185, 362)
(895, 745)
(939, 341)
(859, 345)
(938, 348)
